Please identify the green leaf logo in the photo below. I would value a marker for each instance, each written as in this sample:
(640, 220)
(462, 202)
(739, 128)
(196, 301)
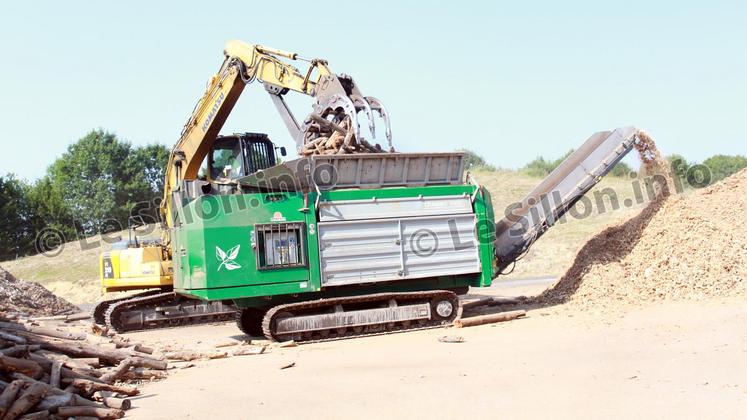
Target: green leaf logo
(227, 258)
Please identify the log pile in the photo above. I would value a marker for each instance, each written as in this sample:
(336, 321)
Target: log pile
(328, 138)
(49, 371)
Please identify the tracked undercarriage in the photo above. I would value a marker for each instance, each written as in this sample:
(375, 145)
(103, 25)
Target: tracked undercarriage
(99, 311)
(319, 320)
(158, 309)
(346, 317)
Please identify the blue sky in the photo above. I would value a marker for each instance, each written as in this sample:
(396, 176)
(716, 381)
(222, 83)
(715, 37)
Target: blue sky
(510, 80)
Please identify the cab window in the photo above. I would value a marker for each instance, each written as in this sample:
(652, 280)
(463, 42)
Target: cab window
(228, 160)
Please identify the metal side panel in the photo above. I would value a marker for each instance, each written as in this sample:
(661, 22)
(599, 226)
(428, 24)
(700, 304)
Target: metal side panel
(388, 169)
(373, 250)
(365, 170)
(394, 207)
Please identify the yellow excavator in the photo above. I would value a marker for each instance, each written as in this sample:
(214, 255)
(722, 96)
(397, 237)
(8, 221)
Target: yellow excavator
(147, 265)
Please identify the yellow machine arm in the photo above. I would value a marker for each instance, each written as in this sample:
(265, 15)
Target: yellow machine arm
(336, 96)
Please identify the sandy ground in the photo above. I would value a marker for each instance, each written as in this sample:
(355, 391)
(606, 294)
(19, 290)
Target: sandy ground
(674, 360)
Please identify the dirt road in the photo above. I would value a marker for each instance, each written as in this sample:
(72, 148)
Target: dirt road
(674, 360)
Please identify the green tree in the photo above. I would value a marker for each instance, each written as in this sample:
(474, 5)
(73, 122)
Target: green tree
(48, 210)
(90, 177)
(103, 180)
(679, 166)
(723, 166)
(14, 213)
(151, 161)
(95, 186)
(147, 165)
(475, 161)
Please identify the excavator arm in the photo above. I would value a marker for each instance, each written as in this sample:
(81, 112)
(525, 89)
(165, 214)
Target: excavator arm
(337, 97)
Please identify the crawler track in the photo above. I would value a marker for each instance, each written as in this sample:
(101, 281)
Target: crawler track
(376, 314)
(99, 311)
(164, 310)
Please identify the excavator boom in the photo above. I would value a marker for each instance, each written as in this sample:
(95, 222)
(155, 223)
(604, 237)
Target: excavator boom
(337, 98)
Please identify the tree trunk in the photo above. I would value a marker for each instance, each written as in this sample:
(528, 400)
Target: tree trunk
(83, 362)
(25, 366)
(142, 373)
(20, 350)
(102, 413)
(89, 387)
(46, 364)
(72, 363)
(9, 395)
(12, 338)
(124, 366)
(54, 374)
(78, 317)
(488, 319)
(149, 363)
(49, 332)
(53, 402)
(81, 350)
(28, 399)
(39, 415)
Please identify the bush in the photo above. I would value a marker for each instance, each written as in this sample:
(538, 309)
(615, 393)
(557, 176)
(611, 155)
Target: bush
(718, 168)
(620, 170)
(723, 166)
(474, 161)
(540, 167)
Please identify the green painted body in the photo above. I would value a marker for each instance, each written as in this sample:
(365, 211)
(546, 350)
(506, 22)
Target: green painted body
(215, 224)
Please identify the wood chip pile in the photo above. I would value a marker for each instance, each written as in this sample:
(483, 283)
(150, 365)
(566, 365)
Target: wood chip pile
(18, 296)
(687, 247)
(334, 139)
(51, 367)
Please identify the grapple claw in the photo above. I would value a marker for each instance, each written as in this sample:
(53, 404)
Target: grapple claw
(377, 106)
(362, 104)
(338, 99)
(339, 107)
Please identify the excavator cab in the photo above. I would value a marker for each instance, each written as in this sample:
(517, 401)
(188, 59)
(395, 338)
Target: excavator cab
(239, 155)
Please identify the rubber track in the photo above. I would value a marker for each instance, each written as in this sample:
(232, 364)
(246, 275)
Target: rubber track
(152, 301)
(350, 333)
